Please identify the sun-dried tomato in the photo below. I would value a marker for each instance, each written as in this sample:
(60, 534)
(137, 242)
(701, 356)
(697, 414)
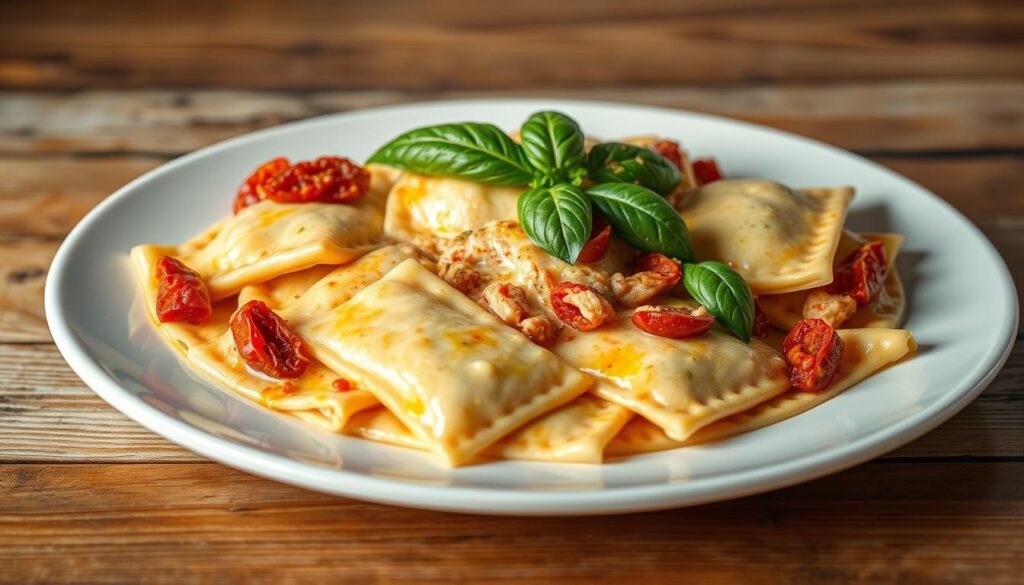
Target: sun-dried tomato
(670, 150)
(597, 245)
(266, 343)
(673, 322)
(580, 306)
(181, 295)
(655, 274)
(666, 268)
(814, 352)
(862, 275)
(341, 385)
(248, 193)
(328, 179)
(761, 325)
(706, 170)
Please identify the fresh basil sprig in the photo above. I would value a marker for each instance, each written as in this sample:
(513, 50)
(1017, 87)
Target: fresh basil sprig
(724, 293)
(557, 218)
(643, 219)
(479, 152)
(614, 162)
(553, 143)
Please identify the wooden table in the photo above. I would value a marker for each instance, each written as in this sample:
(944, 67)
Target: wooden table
(94, 95)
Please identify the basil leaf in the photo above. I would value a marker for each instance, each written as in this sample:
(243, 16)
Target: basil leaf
(478, 152)
(614, 162)
(556, 218)
(724, 293)
(553, 143)
(643, 219)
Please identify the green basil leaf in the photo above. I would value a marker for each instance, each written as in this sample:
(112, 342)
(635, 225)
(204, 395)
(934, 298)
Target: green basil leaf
(724, 293)
(553, 143)
(614, 162)
(556, 218)
(478, 152)
(643, 219)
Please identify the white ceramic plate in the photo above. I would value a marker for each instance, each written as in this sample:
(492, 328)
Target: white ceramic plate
(962, 309)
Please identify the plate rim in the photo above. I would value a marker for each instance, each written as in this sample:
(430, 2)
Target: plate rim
(346, 483)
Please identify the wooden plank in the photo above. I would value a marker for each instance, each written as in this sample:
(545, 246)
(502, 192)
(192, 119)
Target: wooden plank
(46, 198)
(23, 268)
(901, 115)
(48, 414)
(906, 523)
(408, 45)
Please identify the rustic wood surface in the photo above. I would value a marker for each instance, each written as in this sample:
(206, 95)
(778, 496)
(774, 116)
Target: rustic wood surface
(94, 94)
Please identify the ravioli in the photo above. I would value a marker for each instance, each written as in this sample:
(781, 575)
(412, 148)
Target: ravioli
(680, 385)
(310, 394)
(269, 239)
(779, 239)
(181, 335)
(866, 352)
(450, 371)
(421, 207)
(885, 311)
(575, 433)
(297, 298)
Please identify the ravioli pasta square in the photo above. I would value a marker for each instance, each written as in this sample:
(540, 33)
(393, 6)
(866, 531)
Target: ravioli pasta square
(450, 371)
(302, 296)
(269, 239)
(680, 385)
(885, 310)
(182, 336)
(575, 433)
(866, 351)
(778, 239)
(422, 207)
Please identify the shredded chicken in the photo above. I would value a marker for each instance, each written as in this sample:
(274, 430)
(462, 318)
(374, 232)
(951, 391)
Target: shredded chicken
(592, 305)
(639, 288)
(832, 309)
(539, 329)
(462, 277)
(506, 301)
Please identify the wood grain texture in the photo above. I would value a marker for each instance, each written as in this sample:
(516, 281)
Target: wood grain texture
(115, 523)
(409, 45)
(895, 116)
(94, 94)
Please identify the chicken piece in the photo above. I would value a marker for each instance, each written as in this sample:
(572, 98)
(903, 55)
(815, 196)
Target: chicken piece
(832, 309)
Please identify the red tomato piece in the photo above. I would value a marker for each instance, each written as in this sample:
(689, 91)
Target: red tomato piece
(814, 352)
(761, 325)
(248, 193)
(580, 306)
(329, 179)
(597, 245)
(706, 170)
(862, 275)
(341, 385)
(182, 296)
(673, 322)
(670, 150)
(266, 343)
(666, 268)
